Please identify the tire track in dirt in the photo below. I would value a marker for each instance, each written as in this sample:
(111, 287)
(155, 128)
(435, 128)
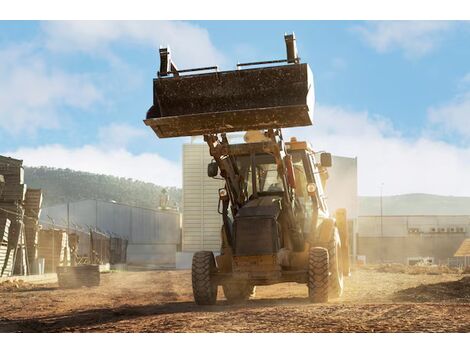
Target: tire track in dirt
(161, 301)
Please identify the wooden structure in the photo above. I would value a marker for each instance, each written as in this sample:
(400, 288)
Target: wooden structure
(11, 208)
(6, 257)
(32, 206)
(95, 247)
(2, 184)
(153, 235)
(53, 246)
(22, 208)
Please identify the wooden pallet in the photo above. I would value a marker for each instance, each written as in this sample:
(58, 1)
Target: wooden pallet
(53, 246)
(2, 184)
(12, 207)
(13, 193)
(6, 256)
(31, 240)
(33, 202)
(7, 161)
(12, 170)
(21, 265)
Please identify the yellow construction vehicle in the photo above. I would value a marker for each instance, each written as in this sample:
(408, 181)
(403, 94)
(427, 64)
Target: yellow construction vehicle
(276, 223)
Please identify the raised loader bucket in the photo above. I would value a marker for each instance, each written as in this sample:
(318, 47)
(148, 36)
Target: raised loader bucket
(229, 101)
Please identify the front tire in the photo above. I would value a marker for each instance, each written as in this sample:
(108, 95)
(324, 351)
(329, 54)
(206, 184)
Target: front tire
(204, 289)
(318, 275)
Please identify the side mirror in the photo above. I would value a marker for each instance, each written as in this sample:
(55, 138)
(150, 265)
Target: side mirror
(325, 160)
(212, 169)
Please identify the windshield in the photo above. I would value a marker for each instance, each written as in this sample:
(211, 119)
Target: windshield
(267, 177)
(300, 174)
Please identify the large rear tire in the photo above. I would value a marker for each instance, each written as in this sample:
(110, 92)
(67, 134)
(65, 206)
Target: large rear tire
(235, 293)
(204, 289)
(336, 281)
(318, 275)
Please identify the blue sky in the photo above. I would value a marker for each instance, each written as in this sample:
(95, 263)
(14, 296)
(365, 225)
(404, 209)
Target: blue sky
(394, 94)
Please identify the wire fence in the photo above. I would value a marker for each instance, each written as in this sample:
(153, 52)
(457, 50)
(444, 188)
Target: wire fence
(48, 243)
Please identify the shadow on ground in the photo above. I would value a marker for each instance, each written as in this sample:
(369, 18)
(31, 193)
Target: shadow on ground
(82, 319)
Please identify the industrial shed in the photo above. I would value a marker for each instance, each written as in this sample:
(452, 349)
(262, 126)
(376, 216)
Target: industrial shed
(153, 235)
(406, 239)
(201, 221)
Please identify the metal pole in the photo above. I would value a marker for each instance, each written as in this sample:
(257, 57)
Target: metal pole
(381, 224)
(68, 218)
(53, 251)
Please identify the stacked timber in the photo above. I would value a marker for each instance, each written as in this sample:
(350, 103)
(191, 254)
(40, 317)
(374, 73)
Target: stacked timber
(32, 207)
(21, 265)
(21, 207)
(2, 184)
(6, 257)
(53, 246)
(11, 208)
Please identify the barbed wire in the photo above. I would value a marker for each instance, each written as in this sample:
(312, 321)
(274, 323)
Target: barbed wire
(64, 227)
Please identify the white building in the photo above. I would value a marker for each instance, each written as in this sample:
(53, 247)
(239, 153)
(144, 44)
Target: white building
(406, 239)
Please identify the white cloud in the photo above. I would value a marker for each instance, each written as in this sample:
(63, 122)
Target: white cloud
(121, 134)
(33, 91)
(190, 44)
(415, 38)
(453, 116)
(108, 156)
(422, 165)
(149, 167)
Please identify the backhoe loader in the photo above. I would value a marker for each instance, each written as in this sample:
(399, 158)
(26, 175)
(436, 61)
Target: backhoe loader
(276, 223)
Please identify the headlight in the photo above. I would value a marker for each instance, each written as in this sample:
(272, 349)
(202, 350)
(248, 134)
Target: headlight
(222, 193)
(311, 188)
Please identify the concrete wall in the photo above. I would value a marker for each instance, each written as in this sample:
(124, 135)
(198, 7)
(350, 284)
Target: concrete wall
(396, 238)
(398, 249)
(158, 255)
(153, 235)
(401, 226)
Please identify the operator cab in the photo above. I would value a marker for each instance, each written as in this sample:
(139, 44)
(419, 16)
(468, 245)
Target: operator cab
(266, 179)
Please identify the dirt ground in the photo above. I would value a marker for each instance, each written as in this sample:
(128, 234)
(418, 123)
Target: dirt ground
(375, 300)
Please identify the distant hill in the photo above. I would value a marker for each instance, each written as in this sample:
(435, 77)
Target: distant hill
(64, 185)
(415, 204)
